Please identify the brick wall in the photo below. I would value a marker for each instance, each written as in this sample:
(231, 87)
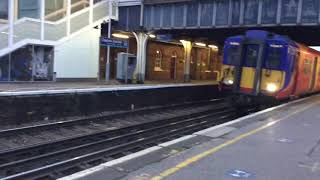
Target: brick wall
(168, 52)
(202, 66)
(113, 55)
(203, 62)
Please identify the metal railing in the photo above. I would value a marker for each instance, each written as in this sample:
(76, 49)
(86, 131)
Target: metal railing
(43, 31)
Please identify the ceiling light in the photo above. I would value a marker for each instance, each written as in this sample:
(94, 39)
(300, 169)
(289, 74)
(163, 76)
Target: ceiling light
(213, 46)
(121, 36)
(200, 44)
(152, 36)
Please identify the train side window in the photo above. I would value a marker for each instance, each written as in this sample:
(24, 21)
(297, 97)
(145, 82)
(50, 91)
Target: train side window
(306, 67)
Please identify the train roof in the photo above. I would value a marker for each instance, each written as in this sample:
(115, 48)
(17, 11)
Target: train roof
(264, 35)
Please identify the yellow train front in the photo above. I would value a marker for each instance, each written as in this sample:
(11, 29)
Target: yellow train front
(258, 67)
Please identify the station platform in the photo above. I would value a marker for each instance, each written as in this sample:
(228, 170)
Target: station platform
(278, 143)
(39, 101)
(21, 88)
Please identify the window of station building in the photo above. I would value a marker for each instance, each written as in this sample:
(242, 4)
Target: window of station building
(158, 61)
(4, 68)
(3, 10)
(55, 9)
(29, 8)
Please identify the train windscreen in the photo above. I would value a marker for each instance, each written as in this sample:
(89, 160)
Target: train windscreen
(233, 56)
(273, 60)
(251, 55)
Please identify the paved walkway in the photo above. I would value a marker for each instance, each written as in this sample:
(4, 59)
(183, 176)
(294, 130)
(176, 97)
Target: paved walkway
(36, 86)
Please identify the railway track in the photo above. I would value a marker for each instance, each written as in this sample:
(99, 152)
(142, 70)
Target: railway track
(35, 134)
(64, 156)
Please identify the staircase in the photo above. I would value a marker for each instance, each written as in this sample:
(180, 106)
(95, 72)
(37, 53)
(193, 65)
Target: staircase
(58, 26)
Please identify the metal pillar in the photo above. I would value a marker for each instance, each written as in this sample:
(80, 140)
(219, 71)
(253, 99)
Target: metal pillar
(68, 16)
(142, 40)
(91, 12)
(42, 16)
(187, 59)
(11, 22)
(108, 53)
(108, 48)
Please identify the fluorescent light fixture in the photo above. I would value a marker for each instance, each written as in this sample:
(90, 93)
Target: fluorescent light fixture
(121, 36)
(152, 36)
(200, 44)
(213, 46)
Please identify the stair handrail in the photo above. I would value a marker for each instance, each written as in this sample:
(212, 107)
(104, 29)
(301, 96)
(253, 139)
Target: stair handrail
(62, 20)
(64, 9)
(27, 40)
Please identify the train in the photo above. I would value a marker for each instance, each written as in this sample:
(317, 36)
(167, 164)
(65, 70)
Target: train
(262, 66)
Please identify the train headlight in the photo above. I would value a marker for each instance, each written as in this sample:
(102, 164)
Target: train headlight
(228, 81)
(272, 87)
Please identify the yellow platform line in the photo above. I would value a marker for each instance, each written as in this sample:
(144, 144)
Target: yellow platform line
(198, 157)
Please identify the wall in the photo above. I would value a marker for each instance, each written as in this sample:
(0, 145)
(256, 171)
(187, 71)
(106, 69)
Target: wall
(202, 14)
(203, 63)
(113, 57)
(29, 63)
(168, 50)
(26, 108)
(78, 57)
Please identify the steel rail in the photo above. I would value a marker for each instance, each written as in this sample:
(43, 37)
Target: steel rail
(173, 129)
(11, 154)
(13, 131)
(74, 141)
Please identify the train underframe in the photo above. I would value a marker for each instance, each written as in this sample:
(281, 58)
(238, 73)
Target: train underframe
(239, 100)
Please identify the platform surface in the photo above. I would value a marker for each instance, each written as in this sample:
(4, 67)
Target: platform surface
(17, 88)
(282, 143)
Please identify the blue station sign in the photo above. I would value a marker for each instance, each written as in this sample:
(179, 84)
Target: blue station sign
(164, 37)
(113, 42)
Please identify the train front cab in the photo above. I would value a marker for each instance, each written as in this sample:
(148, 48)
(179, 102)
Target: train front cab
(258, 69)
(230, 62)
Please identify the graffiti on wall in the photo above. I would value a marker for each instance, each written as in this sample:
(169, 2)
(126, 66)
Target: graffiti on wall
(41, 63)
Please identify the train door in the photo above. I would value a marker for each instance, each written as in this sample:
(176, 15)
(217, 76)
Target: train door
(314, 74)
(251, 68)
(295, 71)
(173, 67)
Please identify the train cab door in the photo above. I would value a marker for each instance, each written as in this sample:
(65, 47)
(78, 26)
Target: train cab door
(252, 57)
(314, 74)
(295, 71)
